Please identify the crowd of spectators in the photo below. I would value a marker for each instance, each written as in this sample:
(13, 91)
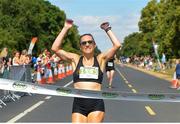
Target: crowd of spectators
(44, 59)
(17, 58)
(148, 62)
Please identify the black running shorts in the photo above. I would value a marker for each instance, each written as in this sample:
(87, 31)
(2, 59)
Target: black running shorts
(85, 105)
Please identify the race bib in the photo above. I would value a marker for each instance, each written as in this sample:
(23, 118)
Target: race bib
(88, 72)
(110, 64)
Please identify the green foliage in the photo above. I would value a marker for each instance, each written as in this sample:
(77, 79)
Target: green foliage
(168, 28)
(148, 20)
(20, 20)
(135, 45)
(160, 21)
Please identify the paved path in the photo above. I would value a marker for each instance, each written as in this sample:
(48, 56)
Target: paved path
(40, 108)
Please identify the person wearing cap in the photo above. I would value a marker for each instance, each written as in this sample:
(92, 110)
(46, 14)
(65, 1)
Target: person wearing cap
(87, 71)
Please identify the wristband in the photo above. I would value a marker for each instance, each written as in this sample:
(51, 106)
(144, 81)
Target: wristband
(109, 28)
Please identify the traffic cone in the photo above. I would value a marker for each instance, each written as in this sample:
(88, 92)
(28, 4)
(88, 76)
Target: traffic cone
(174, 82)
(63, 71)
(70, 69)
(43, 79)
(39, 80)
(43, 75)
(55, 73)
(67, 69)
(50, 77)
(59, 71)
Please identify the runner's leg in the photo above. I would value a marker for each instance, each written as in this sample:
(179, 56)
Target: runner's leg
(96, 117)
(78, 118)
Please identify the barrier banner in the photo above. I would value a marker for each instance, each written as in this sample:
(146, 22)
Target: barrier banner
(31, 46)
(24, 72)
(22, 86)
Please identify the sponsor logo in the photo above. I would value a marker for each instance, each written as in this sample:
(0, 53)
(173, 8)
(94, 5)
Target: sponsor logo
(63, 91)
(110, 95)
(156, 96)
(19, 86)
(174, 96)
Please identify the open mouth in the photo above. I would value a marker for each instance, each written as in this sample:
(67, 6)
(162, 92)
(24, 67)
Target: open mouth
(88, 48)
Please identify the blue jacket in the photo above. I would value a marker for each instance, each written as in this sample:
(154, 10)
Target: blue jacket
(178, 69)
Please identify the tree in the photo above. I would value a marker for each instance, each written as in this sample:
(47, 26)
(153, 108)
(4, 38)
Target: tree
(168, 28)
(20, 20)
(159, 21)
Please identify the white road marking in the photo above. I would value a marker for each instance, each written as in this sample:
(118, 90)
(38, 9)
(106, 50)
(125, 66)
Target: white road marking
(47, 97)
(16, 118)
(121, 75)
(68, 83)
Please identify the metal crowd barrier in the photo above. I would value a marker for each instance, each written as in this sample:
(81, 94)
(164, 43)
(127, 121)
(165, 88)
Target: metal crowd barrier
(21, 73)
(24, 74)
(2, 95)
(1, 101)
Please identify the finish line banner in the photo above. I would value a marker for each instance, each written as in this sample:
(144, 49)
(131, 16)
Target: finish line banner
(22, 86)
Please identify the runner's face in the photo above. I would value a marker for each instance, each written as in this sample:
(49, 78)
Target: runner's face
(87, 44)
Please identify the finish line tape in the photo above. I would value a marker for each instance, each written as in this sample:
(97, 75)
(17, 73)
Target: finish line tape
(22, 86)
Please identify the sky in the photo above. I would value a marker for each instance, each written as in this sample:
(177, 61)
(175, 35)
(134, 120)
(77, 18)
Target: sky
(123, 16)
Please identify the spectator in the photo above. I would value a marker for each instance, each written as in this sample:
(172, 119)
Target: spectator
(23, 57)
(177, 69)
(4, 53)
(16, 58)
(163, 60)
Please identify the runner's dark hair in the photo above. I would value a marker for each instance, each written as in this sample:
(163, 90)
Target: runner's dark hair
(85, 35)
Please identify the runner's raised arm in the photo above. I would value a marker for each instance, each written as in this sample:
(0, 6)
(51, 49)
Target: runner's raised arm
(56, 47)
(116, 44)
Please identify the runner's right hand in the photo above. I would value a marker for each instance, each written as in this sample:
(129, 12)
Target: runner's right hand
(68, 23)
